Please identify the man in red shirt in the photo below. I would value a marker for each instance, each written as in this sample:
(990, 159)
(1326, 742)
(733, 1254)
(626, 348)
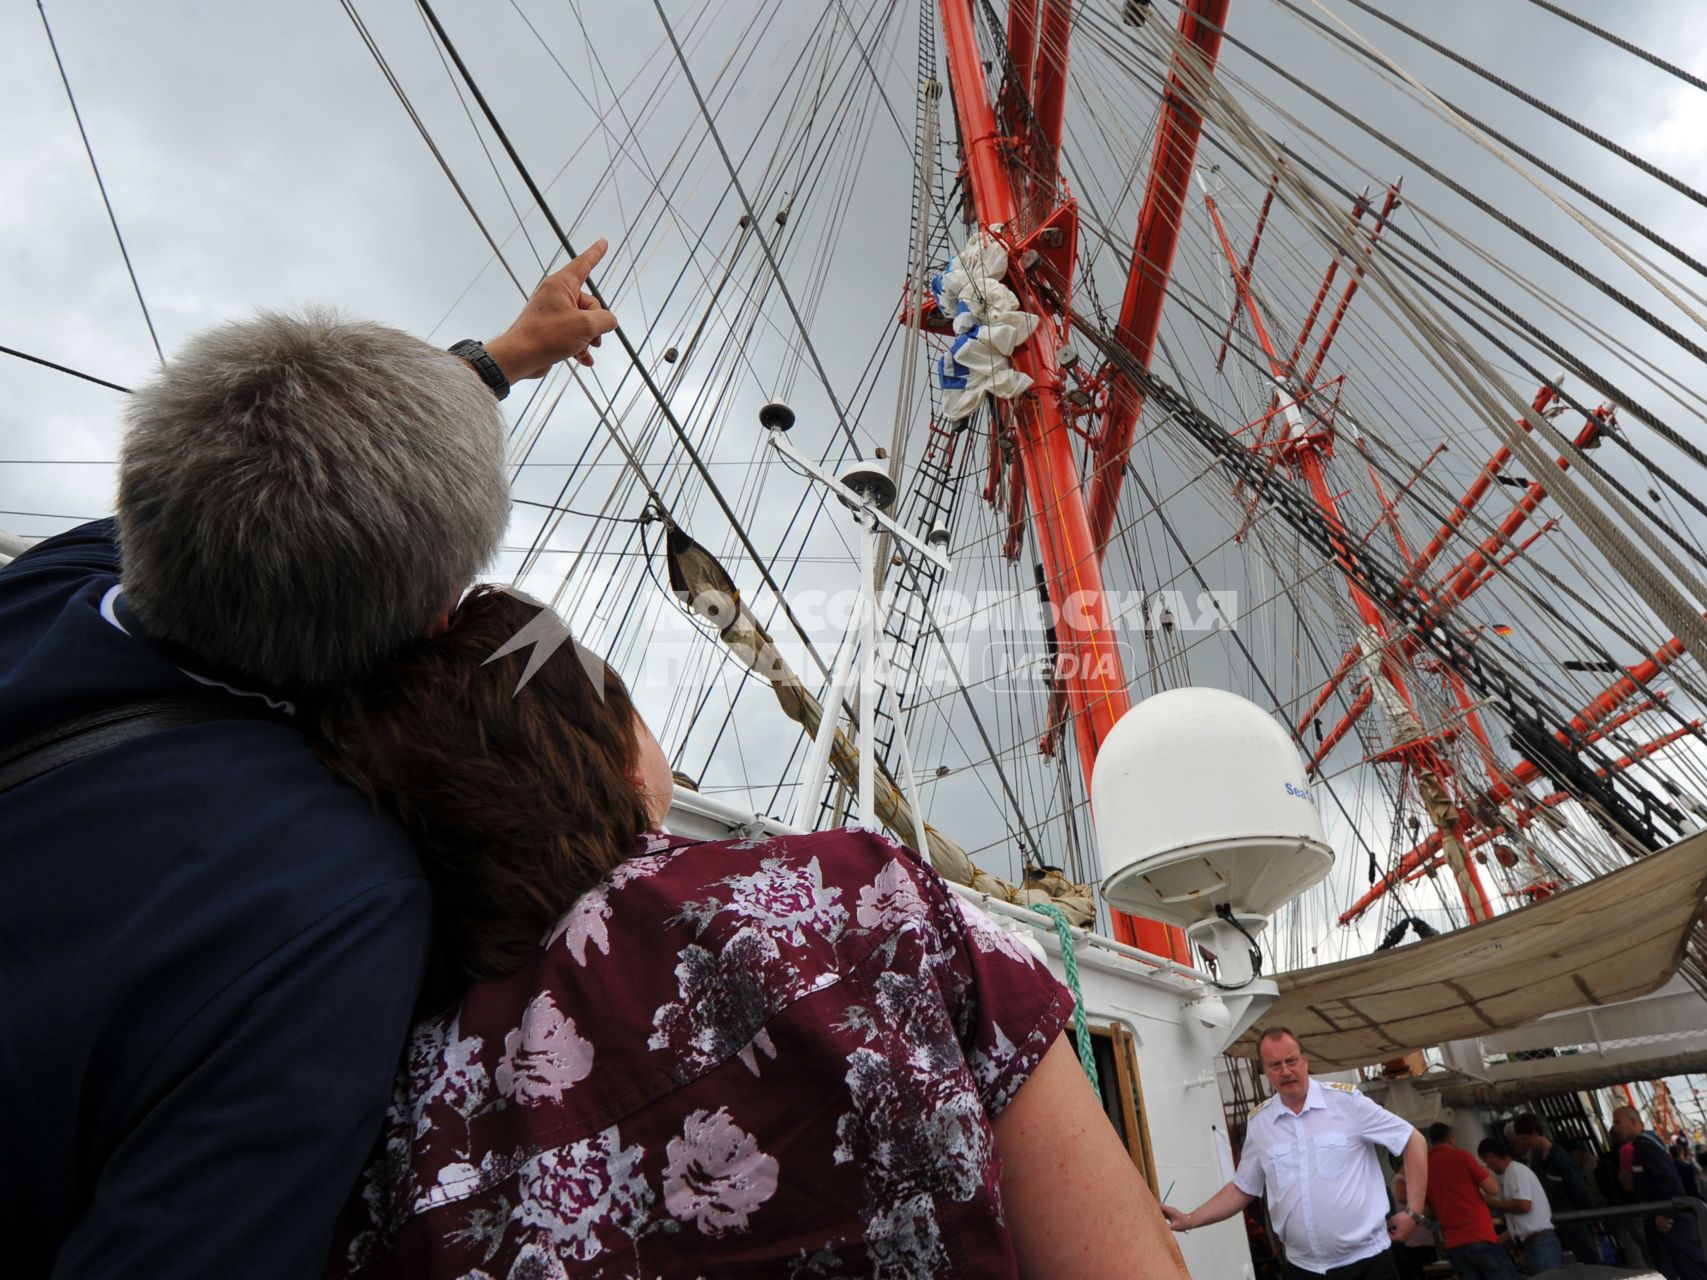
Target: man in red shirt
(1459, 1186)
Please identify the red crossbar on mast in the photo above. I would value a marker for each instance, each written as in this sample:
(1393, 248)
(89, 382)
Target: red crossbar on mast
(1159, 220)
(1463, 582)
(1428, 861)
(1475, 571)
(1089, 666)
(1587, 724)
(1483, 482)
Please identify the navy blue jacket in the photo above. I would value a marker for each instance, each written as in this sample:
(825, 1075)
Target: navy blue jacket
(1652, 1172)
(209, 953)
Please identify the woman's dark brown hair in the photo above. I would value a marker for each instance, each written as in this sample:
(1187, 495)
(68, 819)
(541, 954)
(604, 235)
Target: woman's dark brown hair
(519, 800)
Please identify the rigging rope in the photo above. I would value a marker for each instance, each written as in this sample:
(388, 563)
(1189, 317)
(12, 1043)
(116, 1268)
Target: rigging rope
(63, 368)
(764, 245)
(1669, 67)
(633, 355)
(1070, 966)
(100, 182)
(1529, 99)
(1677, 251)
(1629, 258)
(1478, 382)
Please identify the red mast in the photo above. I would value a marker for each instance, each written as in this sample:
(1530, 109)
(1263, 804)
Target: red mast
(1019, 199)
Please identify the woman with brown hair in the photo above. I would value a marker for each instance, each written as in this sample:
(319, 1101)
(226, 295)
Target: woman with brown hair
(648, 1055)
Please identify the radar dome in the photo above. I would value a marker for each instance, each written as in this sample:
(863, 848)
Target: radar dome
(1201, 804)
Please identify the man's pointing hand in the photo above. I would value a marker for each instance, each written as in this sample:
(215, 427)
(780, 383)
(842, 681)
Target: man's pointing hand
(562, 321)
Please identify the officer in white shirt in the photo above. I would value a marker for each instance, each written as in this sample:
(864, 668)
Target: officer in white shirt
(1312, 1149)
(1523, 1200)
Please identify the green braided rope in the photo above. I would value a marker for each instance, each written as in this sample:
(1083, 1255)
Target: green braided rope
(1070, 962)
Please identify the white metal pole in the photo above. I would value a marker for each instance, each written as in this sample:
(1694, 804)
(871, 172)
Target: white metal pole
(818, 759)
(868, 670)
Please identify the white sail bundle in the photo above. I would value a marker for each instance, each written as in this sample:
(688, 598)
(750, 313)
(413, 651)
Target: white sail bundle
(989, 323)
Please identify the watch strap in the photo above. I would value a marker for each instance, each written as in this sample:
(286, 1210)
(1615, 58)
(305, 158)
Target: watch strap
(476, 354)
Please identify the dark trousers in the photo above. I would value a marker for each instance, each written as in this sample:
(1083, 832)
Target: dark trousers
(1409, 1262)
(1380, 1267)
(1580, 1239)
(1677, 1253)
(1481, 1261)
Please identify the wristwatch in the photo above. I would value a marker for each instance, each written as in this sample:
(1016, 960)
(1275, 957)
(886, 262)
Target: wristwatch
(1412, 1214)
(476, 354)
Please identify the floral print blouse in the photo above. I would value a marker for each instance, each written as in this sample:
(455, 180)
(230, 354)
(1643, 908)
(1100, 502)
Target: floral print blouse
(733, 1058)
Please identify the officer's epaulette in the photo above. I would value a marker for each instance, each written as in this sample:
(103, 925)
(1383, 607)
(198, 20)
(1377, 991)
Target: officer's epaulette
(1257, 1110)
(1343, 1088)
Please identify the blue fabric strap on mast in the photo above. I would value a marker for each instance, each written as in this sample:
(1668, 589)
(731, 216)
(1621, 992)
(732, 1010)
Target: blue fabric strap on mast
(1070, 962)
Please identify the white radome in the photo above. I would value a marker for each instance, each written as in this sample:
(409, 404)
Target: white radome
(1200, 799)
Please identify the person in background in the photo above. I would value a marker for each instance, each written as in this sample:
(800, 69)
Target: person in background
(1419, 1248)
(1647, 1172)
(1561, 1179)
(1687, 1173)
(1628, 1235)
(210, 948)
(801, 1055)
(1584, 1156)
(1528, 1218)
(1459, 1188)
(1312, 1149)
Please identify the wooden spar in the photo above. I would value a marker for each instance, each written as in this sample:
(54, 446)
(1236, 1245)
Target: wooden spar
(1091, 670)
(998, 428)
(1307, 447)
(1159, 220)
(1016, 512)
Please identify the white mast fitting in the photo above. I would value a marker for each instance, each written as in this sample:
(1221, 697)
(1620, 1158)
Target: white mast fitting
(869, 491)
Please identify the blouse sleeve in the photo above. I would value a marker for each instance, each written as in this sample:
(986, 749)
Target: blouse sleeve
(1007, 1008)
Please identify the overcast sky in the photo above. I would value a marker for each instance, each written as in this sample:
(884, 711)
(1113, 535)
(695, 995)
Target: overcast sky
(255, 156)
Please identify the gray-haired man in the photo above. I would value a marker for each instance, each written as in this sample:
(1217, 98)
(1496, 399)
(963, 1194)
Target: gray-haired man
(1311, 1148)
(209, 950)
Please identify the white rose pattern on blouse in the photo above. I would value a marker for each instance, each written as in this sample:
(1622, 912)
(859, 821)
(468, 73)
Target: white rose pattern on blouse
(789, 1049)
(716, 1176)
(586, 1194)
(544, 1056)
